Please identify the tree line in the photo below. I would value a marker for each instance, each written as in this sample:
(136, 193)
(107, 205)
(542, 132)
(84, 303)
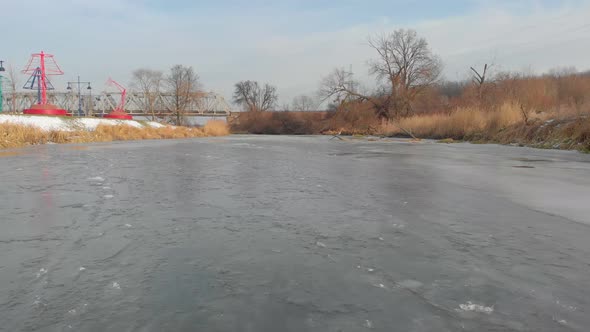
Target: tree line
(407, 81)
(181, 81)
(404, 68)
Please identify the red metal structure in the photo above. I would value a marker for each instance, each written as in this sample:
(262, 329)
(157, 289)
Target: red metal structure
(39, 67)
(119, 111)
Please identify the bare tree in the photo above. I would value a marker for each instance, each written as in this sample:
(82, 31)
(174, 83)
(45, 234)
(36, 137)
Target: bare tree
(304, 103)
(13, 82)
(254, 97)
(405, 67)
(338, 85)
(183, 83)
(563, 71)
(285, 107)
(480, 79)
(149, 83)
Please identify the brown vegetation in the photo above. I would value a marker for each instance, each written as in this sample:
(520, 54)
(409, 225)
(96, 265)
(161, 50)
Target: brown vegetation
(409, 99)
(545, 111)
(13, 135)
(278, 123)
(216, 128)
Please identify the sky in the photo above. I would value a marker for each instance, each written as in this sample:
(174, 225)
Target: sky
(290, 44)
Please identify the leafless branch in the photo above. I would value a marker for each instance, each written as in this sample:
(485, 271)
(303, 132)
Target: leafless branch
(148, 82)
(183, 83)
(304, 103)
(254, 97)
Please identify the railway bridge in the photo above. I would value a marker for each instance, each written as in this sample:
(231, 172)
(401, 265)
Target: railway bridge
(157, 105)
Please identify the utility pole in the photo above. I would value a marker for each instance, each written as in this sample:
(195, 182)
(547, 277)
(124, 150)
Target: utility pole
(80, 111)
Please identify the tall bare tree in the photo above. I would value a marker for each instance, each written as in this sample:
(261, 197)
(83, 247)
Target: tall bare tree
(255, 97)
(183, 83)
(304, 103)
(404, 68)
(149, 83)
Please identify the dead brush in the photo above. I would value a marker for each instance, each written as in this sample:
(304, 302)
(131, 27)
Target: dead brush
(216, 128)
(15, 135)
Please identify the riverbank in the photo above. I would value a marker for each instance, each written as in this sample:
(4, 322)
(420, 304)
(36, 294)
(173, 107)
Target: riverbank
(507, 124)
(23, 130)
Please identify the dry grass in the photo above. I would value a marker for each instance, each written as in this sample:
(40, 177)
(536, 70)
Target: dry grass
(12, 135)
(504, 125)
(216, 128)
(562, 134)
(459, 124)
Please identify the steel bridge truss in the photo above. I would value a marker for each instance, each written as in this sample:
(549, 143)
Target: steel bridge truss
(137, 104)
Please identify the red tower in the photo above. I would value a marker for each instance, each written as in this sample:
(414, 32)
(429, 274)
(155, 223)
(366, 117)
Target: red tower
(119, 111)
(39, 67)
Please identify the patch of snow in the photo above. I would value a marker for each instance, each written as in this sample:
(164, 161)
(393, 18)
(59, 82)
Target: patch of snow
(96, 178)
(567, 307)
(90, 124)
(155, 124)
(39, 301)
(48, 123)
(470, 306)
(42, 122)
(41, 272)
(410, 284)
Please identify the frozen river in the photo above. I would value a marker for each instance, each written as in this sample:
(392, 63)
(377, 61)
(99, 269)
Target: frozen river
(258, 233)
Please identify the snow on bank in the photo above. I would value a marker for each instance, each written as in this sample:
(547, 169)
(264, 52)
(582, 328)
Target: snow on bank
(49, 123)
